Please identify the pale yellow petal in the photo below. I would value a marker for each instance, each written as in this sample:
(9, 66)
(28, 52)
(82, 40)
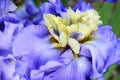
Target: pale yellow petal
(73, 28)
(74, 45)
(51, 24)
(70, 16)
(63, 39)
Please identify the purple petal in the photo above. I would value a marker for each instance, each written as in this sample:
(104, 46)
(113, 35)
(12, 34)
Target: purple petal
(101, 48)
(85, 51)
(9, 18)
(7, 36)
(7, 68)
(6, 6)
(98, 61)
(82, 6)
(36, 49)
(48, 67)
(111, 1)
(54, 7)
(36, 75)
(31, 38)
(113, 58)
(31, 8)
(77, 70)
(66, 57)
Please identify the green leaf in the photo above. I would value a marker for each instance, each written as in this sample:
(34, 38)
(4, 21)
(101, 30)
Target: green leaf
(65, 2)
(105, 12)
(110, 15)
(110, 71)
(115, 20)
(117, 78)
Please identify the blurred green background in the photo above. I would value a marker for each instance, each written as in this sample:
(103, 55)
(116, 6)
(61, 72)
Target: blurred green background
(110, 15)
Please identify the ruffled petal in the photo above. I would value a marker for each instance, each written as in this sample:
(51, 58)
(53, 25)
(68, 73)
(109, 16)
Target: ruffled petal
(82, 6)
(85, 51)
(9, 33)
(54, 7)
(7, 68)
(45, 71)
(28, 13)
(77, 70)
(36, 49)
(100, 53)
(31, 38)
(66, 57)
(31, 8)
(6, 6)
(47, 68)
(113, 58)
(11, 17)
(98, 61)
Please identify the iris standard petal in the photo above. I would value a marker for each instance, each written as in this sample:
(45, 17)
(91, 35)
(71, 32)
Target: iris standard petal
(31, 8)
(82, 6)
(54, 7)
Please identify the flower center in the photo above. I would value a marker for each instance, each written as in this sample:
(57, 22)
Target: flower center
(74, 29)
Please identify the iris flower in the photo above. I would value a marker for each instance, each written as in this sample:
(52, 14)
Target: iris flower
(75, 46)
(67, 44)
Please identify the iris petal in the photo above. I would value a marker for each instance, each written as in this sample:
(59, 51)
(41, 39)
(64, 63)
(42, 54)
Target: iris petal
(5, 72)
(7, 36)
(77, 70)
(6, 6)
(82, 6)
(116, 58)
(36, 48)
(54, 7)
(99, 52)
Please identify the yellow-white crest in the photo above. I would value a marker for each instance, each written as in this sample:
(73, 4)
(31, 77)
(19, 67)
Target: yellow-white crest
(62, 29)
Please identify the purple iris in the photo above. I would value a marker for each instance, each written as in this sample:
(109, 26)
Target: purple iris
(39, 59)
(35, 52)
